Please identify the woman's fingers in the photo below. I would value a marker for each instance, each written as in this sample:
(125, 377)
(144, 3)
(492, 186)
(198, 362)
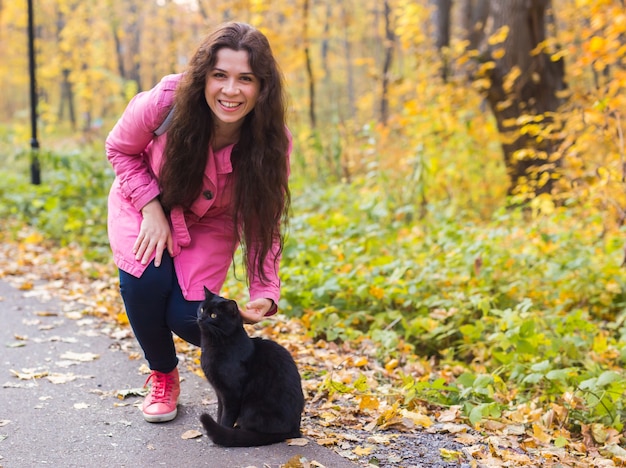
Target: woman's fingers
(154, 242)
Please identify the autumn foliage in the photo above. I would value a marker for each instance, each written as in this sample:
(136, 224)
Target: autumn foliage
(453, 301)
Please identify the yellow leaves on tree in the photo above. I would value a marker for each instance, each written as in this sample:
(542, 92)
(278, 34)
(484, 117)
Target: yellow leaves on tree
(499, 36)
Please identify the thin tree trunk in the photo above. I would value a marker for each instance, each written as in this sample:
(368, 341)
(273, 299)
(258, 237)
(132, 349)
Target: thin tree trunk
(325, 40)
(115, 24)
(441, 20)
(203, 11)
(309, 68)
(118, 51)
(67, 98)
(67, 93)
(134, 45)
(347, 49)
(171, 45)
(389, 46)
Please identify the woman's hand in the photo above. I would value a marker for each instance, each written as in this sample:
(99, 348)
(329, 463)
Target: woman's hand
(255, 310)
(154, 235)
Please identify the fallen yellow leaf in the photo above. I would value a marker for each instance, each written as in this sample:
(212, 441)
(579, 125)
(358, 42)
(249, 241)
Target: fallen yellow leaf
(360, 451)
(298, 461)
(327, 441)
(28, 374)
(450, 455)
(191, 434)
(362, 361)
(122, 318)
(367, 402)
(467, 439)
(418, 418)
(33, 238)
(198, 371)
(81, 357)
(298, 442)
(58, 378)
(541, 435)
(391, 365)
(131, 392)
(46, 314)
(379, 439)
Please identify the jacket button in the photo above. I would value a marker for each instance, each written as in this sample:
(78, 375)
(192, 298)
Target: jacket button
(207, 194)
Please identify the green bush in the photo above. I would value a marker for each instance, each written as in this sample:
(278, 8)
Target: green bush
(69, 206)
(535, 302)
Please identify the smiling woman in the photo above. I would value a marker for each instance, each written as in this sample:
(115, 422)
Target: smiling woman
(183, 201)
(231, 93)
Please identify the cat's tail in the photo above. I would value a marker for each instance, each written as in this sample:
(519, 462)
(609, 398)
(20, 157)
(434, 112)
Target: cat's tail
(237, 437)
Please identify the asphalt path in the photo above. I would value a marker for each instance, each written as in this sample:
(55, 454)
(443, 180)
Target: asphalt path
(64, 386)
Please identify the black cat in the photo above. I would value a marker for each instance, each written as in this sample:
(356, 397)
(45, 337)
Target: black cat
(258, 387)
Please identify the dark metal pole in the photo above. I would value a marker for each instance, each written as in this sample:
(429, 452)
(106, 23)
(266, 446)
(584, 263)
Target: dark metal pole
(35, 174)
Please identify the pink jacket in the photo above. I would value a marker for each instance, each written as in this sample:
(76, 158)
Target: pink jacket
(203, 235)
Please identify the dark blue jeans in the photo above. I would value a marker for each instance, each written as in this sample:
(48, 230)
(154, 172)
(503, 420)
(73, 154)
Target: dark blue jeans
(156, 307)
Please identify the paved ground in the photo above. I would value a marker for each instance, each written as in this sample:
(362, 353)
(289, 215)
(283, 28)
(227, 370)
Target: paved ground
(60, 377)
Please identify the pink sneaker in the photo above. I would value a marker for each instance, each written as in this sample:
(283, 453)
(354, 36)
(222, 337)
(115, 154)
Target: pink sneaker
(160, 402)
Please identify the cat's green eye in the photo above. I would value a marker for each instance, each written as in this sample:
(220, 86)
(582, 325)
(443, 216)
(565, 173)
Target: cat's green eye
(213, 315)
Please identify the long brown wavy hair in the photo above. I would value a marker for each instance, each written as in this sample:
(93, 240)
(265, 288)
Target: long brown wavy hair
(259, 159)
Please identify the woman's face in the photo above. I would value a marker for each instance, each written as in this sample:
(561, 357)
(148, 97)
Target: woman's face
(231, 89)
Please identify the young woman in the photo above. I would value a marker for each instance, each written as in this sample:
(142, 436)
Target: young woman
(182, 201)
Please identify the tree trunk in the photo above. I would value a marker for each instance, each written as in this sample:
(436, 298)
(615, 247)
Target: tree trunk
(441, 20)
(389, 44)
(524, 91)
(118, 50)
(133, 31)
(204, 12)
(325, 46)
(474, 15)
(347, 49)
(309, 68)
(67, 92)
(67, 98)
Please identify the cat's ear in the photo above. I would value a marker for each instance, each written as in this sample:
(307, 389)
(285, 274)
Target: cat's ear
(234, 308)
(207, 294)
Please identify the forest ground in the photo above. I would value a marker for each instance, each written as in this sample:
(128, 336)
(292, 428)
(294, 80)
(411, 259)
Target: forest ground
(398, 438)
(62, 362)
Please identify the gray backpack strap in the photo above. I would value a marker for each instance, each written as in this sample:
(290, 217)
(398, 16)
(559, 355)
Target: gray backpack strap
(166, 123)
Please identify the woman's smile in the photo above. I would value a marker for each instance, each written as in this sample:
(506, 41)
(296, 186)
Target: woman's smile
(231, 89)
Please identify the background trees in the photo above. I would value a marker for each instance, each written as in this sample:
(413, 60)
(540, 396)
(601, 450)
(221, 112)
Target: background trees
(396, 84)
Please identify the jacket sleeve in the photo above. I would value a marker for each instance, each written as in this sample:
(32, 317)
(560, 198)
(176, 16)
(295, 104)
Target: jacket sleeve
(131, 135)
(269, 289)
